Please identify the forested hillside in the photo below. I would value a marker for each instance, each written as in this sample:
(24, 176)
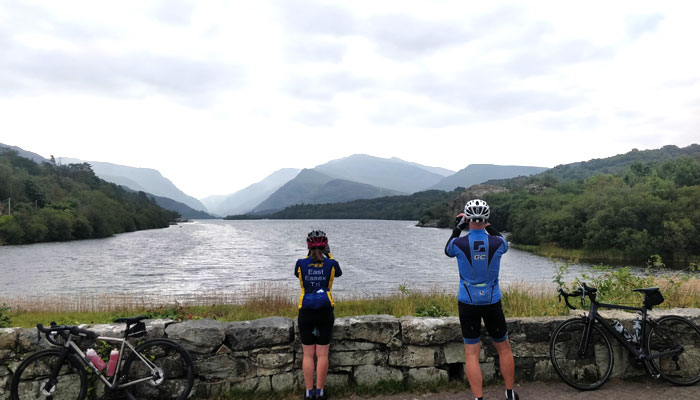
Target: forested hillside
(47, 202)
(649, 208)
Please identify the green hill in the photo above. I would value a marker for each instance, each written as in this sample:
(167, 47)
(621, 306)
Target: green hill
(47, 202)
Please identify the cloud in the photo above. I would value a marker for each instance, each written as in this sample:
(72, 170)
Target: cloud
(175, 12)
(314, 49)
(482, 91)
(405, 36)
(48, 53)
(318, 115)
(545, 58)
(317, 18)
(638, 25)
(324, 86)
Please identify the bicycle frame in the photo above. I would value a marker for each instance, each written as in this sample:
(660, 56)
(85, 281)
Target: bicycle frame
(113, 385)
(636, 349)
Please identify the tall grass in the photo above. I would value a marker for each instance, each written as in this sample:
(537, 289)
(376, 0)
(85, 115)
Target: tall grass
(519, 300)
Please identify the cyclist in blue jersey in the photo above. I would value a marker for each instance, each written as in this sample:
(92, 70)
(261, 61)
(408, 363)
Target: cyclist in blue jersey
(316, 273)
(479, 260)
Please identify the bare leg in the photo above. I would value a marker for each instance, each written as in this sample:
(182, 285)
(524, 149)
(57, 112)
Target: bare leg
(506, 362)
(307, 365)
(321, 365)
(471, 352)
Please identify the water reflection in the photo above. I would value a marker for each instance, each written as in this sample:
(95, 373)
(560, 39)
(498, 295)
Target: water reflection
(232, 257)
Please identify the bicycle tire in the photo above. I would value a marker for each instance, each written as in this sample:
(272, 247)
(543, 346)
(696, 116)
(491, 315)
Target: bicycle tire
(29, 378)
(174, 361)
(583, 372)
(669, 333)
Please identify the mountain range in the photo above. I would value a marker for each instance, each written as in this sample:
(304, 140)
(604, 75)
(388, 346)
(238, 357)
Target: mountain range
(124, 176)
(361, 176)
(140, 179)
(355, 177)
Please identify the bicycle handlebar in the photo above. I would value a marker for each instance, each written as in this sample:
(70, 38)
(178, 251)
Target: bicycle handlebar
(64, 331)
(581, 292)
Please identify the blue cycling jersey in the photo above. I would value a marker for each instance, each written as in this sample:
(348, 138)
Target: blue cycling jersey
(479, 261)
(316, 280)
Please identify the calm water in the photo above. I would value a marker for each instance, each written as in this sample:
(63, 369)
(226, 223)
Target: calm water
(215, 256)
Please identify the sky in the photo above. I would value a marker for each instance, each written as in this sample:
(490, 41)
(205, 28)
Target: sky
(216, 95)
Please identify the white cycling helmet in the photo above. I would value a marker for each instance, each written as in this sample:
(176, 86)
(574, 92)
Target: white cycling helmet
(477, 210)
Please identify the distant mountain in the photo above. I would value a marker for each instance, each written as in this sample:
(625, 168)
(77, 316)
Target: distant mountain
(479, 173)
(435, 170)
(213, 201)
(247, 199)
(313, 187)
(184, 210)
(139, 179)
(26, 154)
(392, 174)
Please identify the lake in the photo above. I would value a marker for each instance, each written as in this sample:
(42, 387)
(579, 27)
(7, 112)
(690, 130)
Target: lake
(238, 257)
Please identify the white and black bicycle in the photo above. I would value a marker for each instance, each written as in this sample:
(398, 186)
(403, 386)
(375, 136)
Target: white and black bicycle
(154, 369)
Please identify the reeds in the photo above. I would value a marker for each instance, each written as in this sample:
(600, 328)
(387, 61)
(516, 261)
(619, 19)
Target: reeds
(270, 299)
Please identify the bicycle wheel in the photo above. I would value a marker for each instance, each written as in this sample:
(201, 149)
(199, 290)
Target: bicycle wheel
(582, 371)
(675, 333)
(174, 376)
(30, 379)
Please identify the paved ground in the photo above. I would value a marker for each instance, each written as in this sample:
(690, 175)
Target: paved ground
(612, 389)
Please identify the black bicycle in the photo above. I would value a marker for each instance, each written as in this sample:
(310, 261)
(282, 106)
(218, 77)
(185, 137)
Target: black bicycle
(154, 369)
(582, 355)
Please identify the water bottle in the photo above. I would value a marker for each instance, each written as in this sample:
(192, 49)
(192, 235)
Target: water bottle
(113, 359)
(621, 330)
(95, 359)
(636, 330)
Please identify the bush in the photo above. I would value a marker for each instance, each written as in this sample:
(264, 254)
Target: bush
(4, 318)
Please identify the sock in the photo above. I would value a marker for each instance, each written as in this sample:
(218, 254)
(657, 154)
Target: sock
(478, 398)
(309, 392)
(509, 394)
(319, 392)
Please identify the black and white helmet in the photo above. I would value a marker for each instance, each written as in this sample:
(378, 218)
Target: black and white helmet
(477, 210)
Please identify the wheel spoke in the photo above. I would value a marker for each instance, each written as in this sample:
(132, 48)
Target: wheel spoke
(676, 333)
(32, 376)
(583, 371)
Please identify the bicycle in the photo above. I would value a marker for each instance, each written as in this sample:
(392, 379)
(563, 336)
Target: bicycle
(156, 368)
(582, 355)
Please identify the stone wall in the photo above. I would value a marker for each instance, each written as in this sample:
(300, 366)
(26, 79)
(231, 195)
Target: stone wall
(266, 354)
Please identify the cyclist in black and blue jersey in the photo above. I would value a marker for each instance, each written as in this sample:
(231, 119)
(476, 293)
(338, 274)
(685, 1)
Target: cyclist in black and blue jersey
(316, 274)
(479, 261)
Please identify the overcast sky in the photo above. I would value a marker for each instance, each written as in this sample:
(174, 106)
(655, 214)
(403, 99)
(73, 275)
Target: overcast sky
(216, 95)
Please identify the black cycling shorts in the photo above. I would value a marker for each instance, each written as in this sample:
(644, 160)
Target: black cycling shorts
(470, 317)
(316, 326)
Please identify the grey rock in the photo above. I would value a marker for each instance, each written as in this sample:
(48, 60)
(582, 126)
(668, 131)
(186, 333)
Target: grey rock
(224, 366)
(371, 328)
(265, 332)
(336, 380)
(8, 338)
(287, 381)
(274, 363)
(201, 336)
(352, 345)
(373, 374)
(345, 358)
(427, 375)
(413, 356)
(427, 331)
(259, 384)
(453, 352)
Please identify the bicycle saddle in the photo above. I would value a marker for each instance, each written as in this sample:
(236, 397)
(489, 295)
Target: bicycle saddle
(646, 290)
